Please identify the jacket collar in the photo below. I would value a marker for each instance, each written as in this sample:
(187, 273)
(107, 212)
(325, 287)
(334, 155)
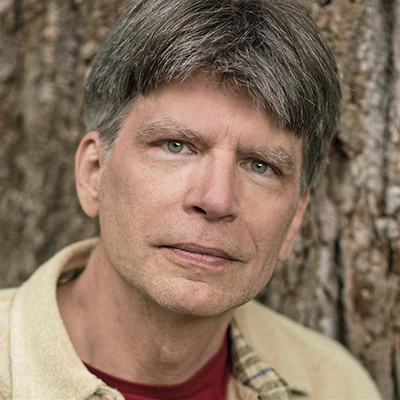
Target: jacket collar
(269, 335)
(43, 357)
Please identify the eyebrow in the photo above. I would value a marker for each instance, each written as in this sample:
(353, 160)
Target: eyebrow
(167, 126)
(277, 156)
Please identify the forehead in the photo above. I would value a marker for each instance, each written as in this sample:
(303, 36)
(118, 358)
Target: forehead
(205, 99)
(199, 110)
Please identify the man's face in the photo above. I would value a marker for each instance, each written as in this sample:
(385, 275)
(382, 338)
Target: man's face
(196, 168)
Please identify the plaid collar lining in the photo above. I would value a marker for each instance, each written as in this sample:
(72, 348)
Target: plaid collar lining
(252, 371)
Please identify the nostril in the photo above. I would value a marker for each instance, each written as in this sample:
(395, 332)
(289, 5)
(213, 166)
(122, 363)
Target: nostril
(200, 210)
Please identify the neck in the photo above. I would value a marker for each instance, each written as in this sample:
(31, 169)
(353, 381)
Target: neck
(122, 332)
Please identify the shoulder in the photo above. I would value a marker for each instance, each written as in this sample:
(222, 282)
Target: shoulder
(308, 360)
(6, 300)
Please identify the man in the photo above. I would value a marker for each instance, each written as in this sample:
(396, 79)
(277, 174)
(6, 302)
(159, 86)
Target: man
(208, 122)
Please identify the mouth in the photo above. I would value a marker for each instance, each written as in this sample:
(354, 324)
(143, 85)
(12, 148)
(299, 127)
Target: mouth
(200, 254)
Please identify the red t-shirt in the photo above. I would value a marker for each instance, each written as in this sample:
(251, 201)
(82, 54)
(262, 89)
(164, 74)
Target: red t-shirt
(210, 383)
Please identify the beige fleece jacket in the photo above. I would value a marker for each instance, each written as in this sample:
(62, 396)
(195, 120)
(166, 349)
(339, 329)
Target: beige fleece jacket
(38, 360)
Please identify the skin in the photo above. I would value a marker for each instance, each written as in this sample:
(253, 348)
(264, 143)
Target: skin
(162, 316)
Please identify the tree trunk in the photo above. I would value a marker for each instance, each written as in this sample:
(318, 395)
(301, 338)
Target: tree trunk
(344, 276)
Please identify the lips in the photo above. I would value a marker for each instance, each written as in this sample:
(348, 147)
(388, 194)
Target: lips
(208, 251)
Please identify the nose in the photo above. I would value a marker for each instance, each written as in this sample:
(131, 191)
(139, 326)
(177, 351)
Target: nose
(212, 191)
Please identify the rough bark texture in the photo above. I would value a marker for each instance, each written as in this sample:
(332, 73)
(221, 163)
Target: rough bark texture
(344, 276)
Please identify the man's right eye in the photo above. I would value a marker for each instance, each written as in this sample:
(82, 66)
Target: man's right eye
(175, 146)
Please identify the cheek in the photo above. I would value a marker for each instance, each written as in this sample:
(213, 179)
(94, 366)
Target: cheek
(269, 235)
(138, 195)
(271, 221)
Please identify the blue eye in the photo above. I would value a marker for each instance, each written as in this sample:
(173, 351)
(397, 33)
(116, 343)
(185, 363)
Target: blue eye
(259, 167)
(175, 146)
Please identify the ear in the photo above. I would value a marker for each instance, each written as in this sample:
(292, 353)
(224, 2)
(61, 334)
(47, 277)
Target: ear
(89, 162)
(287, 246)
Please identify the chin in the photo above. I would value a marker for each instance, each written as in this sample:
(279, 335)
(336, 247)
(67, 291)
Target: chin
(194, 310)
(197, 299)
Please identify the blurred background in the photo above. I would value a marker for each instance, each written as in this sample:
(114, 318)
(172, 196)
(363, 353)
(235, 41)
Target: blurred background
(344, 276)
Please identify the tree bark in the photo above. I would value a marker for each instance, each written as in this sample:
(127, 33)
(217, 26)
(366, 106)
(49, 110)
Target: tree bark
(344, 276)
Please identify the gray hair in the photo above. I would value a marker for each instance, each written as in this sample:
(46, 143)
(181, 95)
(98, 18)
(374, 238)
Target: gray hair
(269, 49)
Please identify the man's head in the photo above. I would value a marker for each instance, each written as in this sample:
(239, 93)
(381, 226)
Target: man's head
(206, 119)
(268, 49)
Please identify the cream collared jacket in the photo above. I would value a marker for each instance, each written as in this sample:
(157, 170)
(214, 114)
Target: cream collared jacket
(38, 360)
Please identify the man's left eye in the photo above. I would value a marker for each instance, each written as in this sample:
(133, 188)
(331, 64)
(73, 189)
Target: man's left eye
(260, 167)
(263, 168)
